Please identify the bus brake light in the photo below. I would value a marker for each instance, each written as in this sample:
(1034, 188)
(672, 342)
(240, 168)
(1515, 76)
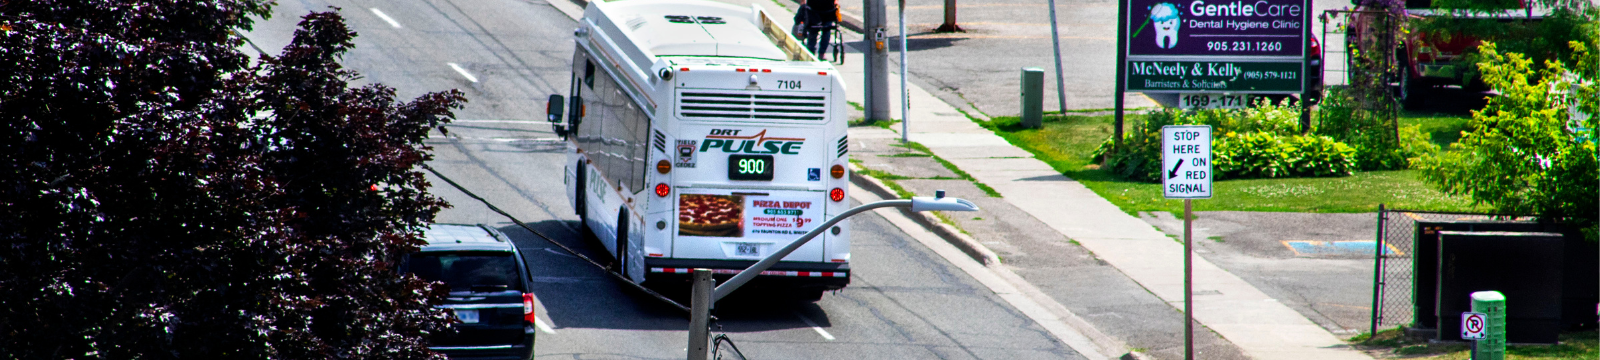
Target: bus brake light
(836, 194)
(662, 190)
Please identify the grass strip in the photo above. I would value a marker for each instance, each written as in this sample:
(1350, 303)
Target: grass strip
(1572, 345)
(1066, 141)
(952, 167)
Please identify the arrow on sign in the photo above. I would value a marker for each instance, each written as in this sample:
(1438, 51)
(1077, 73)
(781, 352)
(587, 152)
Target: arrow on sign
(1174, 173)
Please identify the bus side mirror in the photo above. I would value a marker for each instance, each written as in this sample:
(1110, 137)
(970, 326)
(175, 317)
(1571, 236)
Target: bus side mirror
(555, 108)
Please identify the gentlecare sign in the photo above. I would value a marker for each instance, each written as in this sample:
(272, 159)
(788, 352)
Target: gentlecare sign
(1191, 76)
(1198, 27)
(1186, 161)
(1247, 46)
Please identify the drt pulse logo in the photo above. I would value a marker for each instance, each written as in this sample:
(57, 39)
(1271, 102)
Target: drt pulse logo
(730, 142)
(1165, 15)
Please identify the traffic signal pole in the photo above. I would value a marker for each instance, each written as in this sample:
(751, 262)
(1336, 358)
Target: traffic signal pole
(877, 65)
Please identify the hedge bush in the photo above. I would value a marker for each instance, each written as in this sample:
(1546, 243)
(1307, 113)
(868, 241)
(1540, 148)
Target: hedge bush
(1261, 141)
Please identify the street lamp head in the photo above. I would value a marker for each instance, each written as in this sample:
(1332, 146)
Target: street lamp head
(923, 203)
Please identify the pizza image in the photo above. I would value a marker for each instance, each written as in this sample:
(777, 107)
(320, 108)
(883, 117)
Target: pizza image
(710, 215)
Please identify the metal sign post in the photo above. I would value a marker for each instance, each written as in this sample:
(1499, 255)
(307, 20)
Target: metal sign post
(905, 93)
(1186, 167)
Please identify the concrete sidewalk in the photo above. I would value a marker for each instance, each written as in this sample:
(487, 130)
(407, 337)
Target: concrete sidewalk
(1259, 325)
(1236, 310)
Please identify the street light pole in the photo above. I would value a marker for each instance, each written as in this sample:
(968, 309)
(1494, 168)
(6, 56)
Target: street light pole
(704, 300)
(921, 203)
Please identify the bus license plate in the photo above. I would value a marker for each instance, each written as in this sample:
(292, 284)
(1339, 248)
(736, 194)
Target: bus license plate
(1211, 101)
(469, 316)
(747, 249)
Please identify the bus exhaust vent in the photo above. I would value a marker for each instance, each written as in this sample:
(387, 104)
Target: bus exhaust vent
(844, 145)
(751, 105)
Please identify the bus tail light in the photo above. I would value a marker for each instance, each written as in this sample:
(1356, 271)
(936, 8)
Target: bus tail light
(837, 194)
(663, 166)
(837, 171)
(527, 309)
(662, 189)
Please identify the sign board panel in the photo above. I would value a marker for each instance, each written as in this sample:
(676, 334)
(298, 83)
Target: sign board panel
(1214, 76)
(1186, 161)
(1215, 46)
(1217, 27)
(1473, 326)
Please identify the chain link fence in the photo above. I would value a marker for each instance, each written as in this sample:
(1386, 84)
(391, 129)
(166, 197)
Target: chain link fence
(1394, 289)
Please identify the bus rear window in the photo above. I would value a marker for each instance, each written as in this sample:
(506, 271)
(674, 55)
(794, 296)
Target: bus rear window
(466, 271)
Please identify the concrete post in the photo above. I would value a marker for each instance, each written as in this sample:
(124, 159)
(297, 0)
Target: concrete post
(700, 315)
(877, 66)
(1493, 306)
(949, 24)
(1032, 97)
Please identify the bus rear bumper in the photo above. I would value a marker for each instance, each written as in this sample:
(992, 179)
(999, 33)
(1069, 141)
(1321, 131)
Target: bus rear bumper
(782, 276)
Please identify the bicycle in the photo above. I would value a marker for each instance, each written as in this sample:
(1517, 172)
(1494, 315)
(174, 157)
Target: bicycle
(836, 46)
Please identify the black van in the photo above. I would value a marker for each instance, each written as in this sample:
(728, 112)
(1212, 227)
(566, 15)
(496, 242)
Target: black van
(490, 294)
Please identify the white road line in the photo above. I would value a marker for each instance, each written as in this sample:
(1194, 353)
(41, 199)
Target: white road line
(539, 323)
(820, 331)
(386, 18)
(463, 72)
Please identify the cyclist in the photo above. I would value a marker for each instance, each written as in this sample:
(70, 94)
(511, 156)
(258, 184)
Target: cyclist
(822, 16)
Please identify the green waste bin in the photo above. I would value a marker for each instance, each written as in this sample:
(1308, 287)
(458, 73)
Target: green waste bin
(1493, 306)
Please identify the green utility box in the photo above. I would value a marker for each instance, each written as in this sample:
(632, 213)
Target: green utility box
(1493, 305)
(1032, 97)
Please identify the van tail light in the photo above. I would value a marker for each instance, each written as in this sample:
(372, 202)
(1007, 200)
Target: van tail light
(527, 309)
(662, 189)
(836, 194)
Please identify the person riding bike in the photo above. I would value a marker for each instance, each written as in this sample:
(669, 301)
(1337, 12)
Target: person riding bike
(819, 18)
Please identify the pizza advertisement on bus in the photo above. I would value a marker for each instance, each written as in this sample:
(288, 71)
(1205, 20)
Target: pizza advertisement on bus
(711, 215)
(782, 217)
(768, 217)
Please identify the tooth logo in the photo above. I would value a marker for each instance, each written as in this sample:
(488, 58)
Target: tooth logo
(1165, 15)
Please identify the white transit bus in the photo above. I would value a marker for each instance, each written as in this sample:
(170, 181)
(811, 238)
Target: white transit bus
(702, 135)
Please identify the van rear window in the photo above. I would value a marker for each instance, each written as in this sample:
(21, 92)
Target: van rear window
(467, 271)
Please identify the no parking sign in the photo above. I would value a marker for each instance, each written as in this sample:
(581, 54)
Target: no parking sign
(1473, 325)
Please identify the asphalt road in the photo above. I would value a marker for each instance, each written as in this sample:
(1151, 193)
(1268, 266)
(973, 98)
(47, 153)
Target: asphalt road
(905, 301)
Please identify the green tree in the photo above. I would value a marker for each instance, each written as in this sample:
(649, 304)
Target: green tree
(1526, 153)
(162, 197)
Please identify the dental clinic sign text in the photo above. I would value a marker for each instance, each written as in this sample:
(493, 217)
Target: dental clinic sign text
(1201, 76)
(1217, 42)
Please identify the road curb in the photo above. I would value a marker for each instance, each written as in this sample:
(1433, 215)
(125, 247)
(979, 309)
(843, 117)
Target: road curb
(950, 234)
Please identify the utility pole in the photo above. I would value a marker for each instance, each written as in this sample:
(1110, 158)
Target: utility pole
(1055, 44)
(949, 18)
(877, 66)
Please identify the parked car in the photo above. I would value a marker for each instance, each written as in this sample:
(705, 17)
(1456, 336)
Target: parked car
(490, 293)
(1426, 60)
